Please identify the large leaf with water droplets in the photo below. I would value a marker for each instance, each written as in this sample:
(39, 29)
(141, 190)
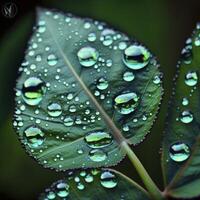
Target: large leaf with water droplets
(181, 150)
(93, 184)
(83, 88)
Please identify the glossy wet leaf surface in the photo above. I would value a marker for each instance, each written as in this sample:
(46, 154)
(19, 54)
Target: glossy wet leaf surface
(94, 184)
(181, 150)
(67, 58)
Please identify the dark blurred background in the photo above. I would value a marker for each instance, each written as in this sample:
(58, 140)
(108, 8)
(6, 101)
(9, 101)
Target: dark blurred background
(163, 25)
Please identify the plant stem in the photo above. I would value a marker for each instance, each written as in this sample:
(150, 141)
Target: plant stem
(148, 182)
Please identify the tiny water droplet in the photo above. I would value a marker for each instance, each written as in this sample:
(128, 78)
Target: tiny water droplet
(34, 137)
(98, 139)
(191, 78)
(126, 103)
(136, 57)
(92, 37)
(185, 101)
(97, 155)
(54, 109)
(108, 179)
(107, 37)
(89, 178)
(186, 117)
(62, 190)
(33, 91)
(87, 56)
(179, 152)
(128, 76)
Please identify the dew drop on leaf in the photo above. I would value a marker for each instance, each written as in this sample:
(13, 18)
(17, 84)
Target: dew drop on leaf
(97, 155)
(126, 103)
(98, 139)
(128, 76)
(136, 57)
(191, 78)
(68, 121)
(54, 109)
(102, 84)
(87, 56)
(108, 180)
(34, 136)
(179, 152)
(62, 190)
(33, 91)
(52, 60)
(185, 101)
(186, 117)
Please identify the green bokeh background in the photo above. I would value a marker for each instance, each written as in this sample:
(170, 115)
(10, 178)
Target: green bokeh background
(163, 25)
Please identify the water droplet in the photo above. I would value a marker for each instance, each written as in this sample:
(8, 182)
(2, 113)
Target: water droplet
(52, 60)
(126, 103)
(122, 45)
(80, 186)
(156, 79)
(33, 91)
(87, 56)
(107, 37)
(186, 117)
(191, 78)
(136, 57)
(68, 121)
(179, 152)
(89, 178)
(98, 139)
(51, 195)
(185, 101)
(128, 76)
(102, 84)
(87, 25)
(97, 155)
(62, 190)
(108, 180)
(34, 137)
(92, 37)
(54, 109)
(186, 55)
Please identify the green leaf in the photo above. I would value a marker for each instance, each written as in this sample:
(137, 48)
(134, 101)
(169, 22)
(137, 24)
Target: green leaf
(94, 184)
(181, 149)
(83, 89)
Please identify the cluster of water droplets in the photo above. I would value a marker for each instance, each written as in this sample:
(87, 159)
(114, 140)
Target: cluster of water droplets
(180, 151)
(63, 188)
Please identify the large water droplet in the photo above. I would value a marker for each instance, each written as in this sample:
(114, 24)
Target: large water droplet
(34, 137)
(126, 103)
(97, 155)
(102, 84)
(62, 190)
(87, 56)
(108, 180)
(52, 60)
(136, 57)
(191, 78)
(54, 109)
(98, 139)
(128, 76)
(33, 91)
(179, 152)
(186, 117)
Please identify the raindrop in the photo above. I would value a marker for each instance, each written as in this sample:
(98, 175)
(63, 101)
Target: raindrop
(186, 117)
(126, 103)
(33, 91)
(92, 37)
(54, 109)
(97, 155)
(179, 152)
(102, 84)
(136, 57)
(108, 180)
(87, 56)
(128, 76)
(107, 37)
(187, 55)
(68, 121)
(89, 178)
(62, 190)
(185, 101)
(34, 137)
(98, 139)
(80, 186)
(156, 79)
(51, 195)
(191, 78)
(52, 60)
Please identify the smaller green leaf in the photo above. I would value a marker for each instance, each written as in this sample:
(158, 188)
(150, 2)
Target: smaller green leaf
(181, 146)
(94, 184)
